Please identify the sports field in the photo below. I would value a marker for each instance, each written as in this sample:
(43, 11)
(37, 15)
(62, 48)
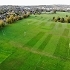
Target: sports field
(36, 43)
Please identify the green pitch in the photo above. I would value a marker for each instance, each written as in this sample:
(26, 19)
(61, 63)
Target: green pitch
(36, 43)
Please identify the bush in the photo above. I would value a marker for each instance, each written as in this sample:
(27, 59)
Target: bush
(62, 20)
(28, 14)
(11, 19)
(7, 20)
(53, 18)
(58, 19)
(68, 20)
(54, 11)
(2, 24)
(66, 15)
(25, 15)
(16, 18)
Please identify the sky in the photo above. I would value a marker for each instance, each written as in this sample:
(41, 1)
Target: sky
(34, 2)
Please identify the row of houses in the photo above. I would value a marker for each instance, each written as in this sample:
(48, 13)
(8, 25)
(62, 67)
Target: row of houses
(9, 9)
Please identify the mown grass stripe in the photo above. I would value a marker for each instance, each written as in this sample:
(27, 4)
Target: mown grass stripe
(15, 61)
(67, 65)
(35, 39)
(47, 63)
(36, 46)
(45, 42)
(31, 62)
(60, 25)
(52, 25)
(68, 25)
(3, 57)
(62, 48)
(66, 32)
(43, 23)
(51, 46)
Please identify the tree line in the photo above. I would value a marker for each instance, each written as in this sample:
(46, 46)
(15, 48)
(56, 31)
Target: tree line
(12, 17)
(65, 19)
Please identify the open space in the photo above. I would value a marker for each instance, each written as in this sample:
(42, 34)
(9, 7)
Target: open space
(36, 43)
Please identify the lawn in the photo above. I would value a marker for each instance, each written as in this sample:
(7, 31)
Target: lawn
(36, 43)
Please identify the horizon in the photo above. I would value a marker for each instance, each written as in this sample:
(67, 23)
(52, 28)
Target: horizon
(32, 5)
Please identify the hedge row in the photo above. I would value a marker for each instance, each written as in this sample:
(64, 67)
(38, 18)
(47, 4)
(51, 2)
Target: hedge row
(12, 18)
(62, 19)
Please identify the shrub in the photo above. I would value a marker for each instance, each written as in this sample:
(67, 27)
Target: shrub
(2, 24)
(66, 15)
(16, 18)
(11, 19)
(7, 20)
(62, 20)
(25, 15)
(68, 20)
(53, 11)
(53, 18)
(28, 14)
(20, 17)
(58, 19)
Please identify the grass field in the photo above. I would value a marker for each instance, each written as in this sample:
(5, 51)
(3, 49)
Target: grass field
(35, 43)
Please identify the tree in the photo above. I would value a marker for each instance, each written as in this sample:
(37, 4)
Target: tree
(2, 24)
(68, 20)
(62, 20)
(58, 19)
(54, 11)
